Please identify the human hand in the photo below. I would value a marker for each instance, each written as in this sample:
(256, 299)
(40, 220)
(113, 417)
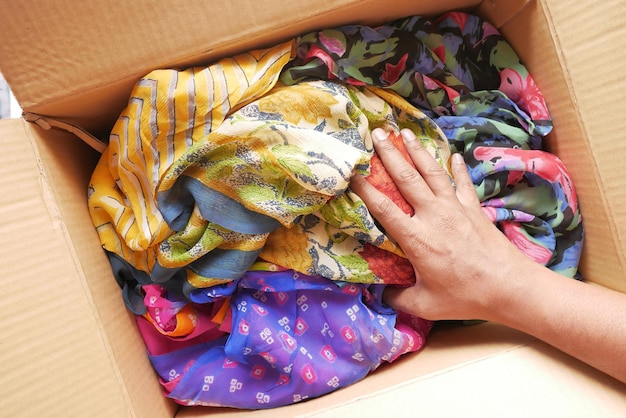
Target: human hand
(463, 264)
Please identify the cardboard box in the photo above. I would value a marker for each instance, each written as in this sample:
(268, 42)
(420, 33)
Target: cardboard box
(70, 348)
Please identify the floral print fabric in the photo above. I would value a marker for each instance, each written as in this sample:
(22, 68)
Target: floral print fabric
(187, 207)
(227, 187)
(270, 181)
(430, 63)
(459, 70)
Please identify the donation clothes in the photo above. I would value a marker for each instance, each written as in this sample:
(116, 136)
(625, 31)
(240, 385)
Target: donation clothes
(281, 161)
(460, 71)
(227, 186)
(290, 337)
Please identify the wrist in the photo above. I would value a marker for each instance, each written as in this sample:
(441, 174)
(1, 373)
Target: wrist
(514, 290)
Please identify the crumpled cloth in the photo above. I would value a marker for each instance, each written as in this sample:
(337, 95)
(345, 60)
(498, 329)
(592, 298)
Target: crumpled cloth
(211, 171)
(270, 181)
(459, 70)
(288, 337)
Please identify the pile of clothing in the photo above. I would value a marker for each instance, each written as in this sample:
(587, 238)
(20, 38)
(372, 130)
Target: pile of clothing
(223, 200)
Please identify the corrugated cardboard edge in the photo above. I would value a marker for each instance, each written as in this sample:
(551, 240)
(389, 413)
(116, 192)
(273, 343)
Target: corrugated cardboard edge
(603, 220)
(80, 104)
(604, 145)
(47, 123)
(74, 309)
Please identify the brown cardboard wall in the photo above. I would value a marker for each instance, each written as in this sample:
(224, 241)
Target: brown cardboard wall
(79, 61)
(593, 51)
(52, 342)
(125, 348)
(69, 346)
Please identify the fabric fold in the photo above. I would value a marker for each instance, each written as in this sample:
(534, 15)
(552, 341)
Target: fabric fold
(223, 200)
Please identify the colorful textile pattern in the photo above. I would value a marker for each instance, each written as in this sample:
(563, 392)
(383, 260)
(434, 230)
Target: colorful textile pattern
(185, 210)
(460, 71)
(223, 204)
(286, 337)
(168, 114)
(283, 160)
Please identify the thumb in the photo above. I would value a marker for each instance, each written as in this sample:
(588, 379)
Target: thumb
(403, 299)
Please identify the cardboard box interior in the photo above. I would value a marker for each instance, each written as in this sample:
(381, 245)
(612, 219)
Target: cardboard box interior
(68, 343)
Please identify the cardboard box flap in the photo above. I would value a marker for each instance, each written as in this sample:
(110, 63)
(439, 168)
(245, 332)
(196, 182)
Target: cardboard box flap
(450, 346)
(485, 370)
(77, 61)
(592, 51)
(585, 132)
(69, 345)
(66, 333)
(49, 123)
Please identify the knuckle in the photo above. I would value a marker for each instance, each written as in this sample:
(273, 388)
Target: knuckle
(408, 176)
(385, 146)
(466, 186)
(436, 170)
(415, 145)
(384, 208)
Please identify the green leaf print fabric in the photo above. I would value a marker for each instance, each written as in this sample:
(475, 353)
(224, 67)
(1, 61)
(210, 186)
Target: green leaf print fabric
(223, 201)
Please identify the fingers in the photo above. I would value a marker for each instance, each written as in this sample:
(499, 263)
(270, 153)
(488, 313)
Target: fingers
(422, 188)
(421, 185)
(434, 174)
(380, 206)
(465, 191)
(403, 299)
(406, 178)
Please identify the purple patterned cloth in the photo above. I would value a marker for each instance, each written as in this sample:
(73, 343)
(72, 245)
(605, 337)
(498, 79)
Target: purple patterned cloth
(274, 336)
(292, 337)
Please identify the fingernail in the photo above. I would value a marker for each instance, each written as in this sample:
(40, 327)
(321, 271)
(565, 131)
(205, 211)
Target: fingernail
(379, 135)
(408, 135)
(457, 158)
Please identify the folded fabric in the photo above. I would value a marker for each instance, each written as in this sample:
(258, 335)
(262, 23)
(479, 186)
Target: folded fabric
(459, 70)
(223, 203)
(168, 112)
(292, 337)
(270, 181)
